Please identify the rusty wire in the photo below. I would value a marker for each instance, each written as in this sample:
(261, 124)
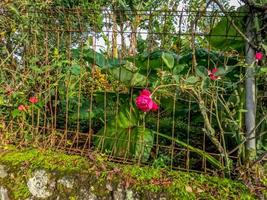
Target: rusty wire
(62, 35)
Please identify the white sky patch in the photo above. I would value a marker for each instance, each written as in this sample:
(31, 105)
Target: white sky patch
(235, 3)
(100, 44)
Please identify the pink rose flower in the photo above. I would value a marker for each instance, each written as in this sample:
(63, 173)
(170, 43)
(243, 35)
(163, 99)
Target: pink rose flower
(22, 108)
(145, 92)
(155, 107)
(258, 56)
(212, 74)
(33, 100)
(144, 101)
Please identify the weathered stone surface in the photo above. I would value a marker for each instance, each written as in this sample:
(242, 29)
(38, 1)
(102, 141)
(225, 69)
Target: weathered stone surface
(3, 172)
(109, 187)
(3, 193)
(78, 181)
(130, 195)
(87, 195)
(66, 182)
(39, 185)
(119, 194)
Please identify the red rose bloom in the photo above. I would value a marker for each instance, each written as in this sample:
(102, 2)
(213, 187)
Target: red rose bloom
(33, 100)
(212, 74)
(155, 107)
(144, 102)
(22, 108)
(258, 56)
(145, 92)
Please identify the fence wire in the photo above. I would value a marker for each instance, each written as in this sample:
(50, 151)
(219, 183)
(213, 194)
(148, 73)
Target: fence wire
(79, 63)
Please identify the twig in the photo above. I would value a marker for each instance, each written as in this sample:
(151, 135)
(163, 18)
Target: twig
(263, 156)
(250, 133)
(9, 55)
(234, 25)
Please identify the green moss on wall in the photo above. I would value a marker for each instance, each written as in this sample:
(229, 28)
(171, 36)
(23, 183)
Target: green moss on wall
(146, 181)
(45, 159)
(184, 185)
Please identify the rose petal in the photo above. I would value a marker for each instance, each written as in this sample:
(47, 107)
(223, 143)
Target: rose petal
(22, 108)
(144, 103)
(258, 55)
(213, 77)
(155, 107)
(33, 99)
(145, 92)
(214, 70)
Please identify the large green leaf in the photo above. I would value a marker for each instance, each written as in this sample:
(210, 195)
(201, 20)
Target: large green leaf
(91, 56)
(216, 163)
(96, 58)
(75, 69)
(85, 114)
(168, 59)
(123, 137)
(178, 68)
(120, 137)
(224, 36)
(202, 71)
(159, 59)
(192, 80)
(128, 74)
(138, 80)
(126, 118)
(122, 74)
(144, 142)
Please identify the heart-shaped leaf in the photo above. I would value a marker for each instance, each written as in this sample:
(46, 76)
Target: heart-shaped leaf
(168, 59)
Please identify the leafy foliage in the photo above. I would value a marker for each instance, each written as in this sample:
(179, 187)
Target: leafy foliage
(123, 137)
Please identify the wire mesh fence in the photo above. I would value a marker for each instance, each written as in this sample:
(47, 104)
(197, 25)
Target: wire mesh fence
(85, 69)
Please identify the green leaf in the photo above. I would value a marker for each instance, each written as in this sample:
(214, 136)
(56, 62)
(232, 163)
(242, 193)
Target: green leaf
(85, 113)
(144, 143)
(263, 69)
(205, 83)
(220, 72)
(176, 78)
(122, 74)
(75, 69)
(168, 59)
(192, 80)
(14, 10)
(216, 163)
(224, 36)
(125, 119)
(202, 71)
(1, 101)
(36, 69)
(178, 68)
(90, 56)
(264, 46)
(122, 136)
(15, 113)
(138, 80)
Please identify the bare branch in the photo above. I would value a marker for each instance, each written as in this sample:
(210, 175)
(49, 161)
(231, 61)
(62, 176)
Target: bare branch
(234, 25)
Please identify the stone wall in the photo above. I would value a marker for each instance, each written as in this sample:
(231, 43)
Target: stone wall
(33, 174)
(42, 184)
